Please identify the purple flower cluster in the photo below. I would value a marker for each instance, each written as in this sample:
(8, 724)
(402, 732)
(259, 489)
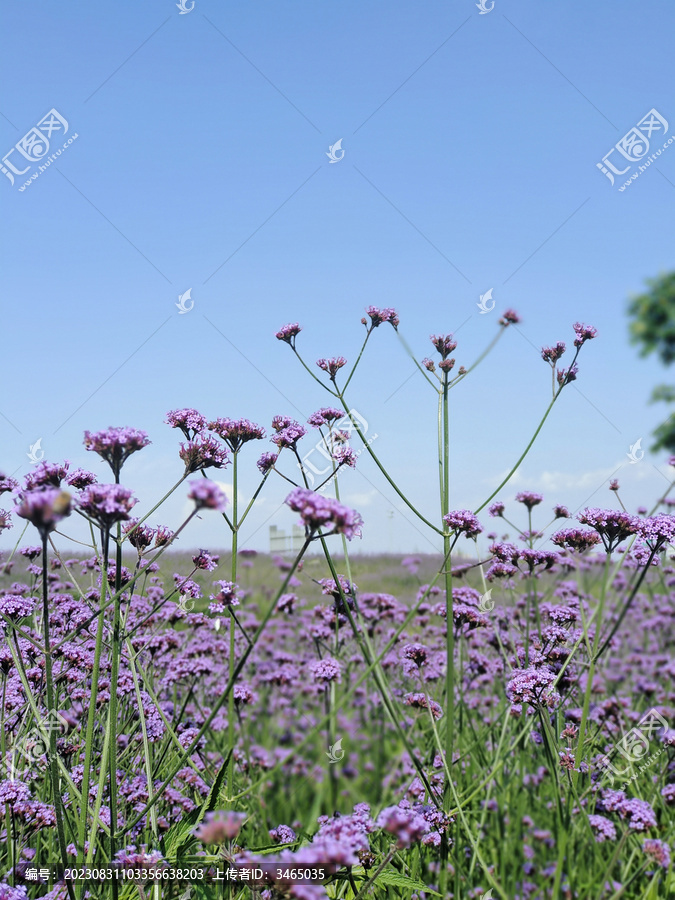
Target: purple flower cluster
(332, 365)
(207, 495)
(288, 333)
(115, 445)
(236, 432)
(612, 526)
(106, 504)
(462, 521)
(317, 512)
(203, 452)
(378, 316)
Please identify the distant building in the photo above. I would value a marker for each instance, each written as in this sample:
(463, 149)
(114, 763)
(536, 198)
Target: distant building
(283, 542)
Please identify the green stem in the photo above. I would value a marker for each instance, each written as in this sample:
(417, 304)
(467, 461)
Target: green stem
(52, 717)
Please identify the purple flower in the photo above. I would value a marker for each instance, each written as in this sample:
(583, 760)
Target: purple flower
(80, 478)
(461, 521)
(288, 333)
(657, 531)
(44, 508)
(324, 671)
(444, 343)
(496, 509)
(613, 527)
(603, 828)
(107, 503)
(533, 685)
(140, 536)
(206, 561)
(583, 333)
(266, 462)
(529, 498)
(7, 484)
(190, 422)
(378, 316)
(561, 512)
(317, 512)
(419, 700)
(227, 595)
(207, 495)
(565, 376)
(332, 365)
(237, 432)
(283, 834)
(659, 851)
(46, 475)
(552, 354)
(575, 539)
(115, 445)
(510, 317)
(324, 416)
(289, 435)
(15, 607)
(203, 453)
(5, 520)
(404, 823)
(429, 364)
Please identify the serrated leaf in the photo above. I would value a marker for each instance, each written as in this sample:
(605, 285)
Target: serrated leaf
(392, 878)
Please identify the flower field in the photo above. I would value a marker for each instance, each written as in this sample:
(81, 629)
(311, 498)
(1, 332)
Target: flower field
(496, 721)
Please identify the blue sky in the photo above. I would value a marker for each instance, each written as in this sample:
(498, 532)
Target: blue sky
(470, 148)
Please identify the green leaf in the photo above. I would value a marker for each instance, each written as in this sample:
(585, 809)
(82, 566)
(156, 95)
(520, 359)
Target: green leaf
(392, 878)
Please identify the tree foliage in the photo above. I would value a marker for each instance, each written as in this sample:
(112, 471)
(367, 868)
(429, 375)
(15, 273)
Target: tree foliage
(652, 327)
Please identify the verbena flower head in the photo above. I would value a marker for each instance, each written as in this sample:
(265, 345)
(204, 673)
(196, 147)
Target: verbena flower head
(107, 504)
(462, 521)
(419, 700)
(288, 333)
(529, 498)
(317, 512)
(289, 435)
(658, 851)
(325, 416)
(552, 354)
(510, 317)
(80, 478)
(407, 825)
(46, 475)
(657, 531)
(44, 508)
(140, 536)
(220, 826)
(324, 671)
(444, 343)
(5, 520)
(565, 376)
(576, 539)
(266, 462)
(228, 594)
(378, 316)
(332, 365)
(115, 445)
(7, 484)
(561, 512)
(237, 432)
(612, 526)
(583, 333)
(203, 452)
(190, 422)
(496, 510)
(207, 495)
